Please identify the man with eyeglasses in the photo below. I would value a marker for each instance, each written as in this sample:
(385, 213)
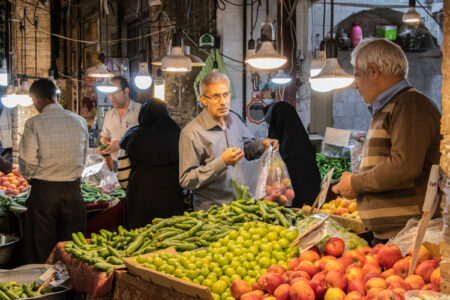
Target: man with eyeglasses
(214, 141)
(122, 117)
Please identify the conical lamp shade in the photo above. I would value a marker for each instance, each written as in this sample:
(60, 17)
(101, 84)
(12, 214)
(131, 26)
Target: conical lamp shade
(195, 60)
(331, 77)
(157, 61)
(266, 58)
(281, 78)
(411, 16)
(176, 61)
(100, 72)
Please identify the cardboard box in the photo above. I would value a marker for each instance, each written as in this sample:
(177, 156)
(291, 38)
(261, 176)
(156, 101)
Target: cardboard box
(165, 280)
(354, 224)
(386, 31)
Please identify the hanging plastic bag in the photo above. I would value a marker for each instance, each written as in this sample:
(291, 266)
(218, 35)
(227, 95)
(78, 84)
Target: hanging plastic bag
(93, 170)
(274, 183)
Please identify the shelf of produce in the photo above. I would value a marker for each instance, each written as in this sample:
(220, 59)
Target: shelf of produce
(131, 287)
(83, 277)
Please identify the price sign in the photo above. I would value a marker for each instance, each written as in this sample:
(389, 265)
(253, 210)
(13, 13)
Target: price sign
(324, 188)
(338, 137)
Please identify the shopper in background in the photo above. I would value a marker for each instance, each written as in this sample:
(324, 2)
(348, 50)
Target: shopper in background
(214, 141)
(296, 150)
(402, 142)
(122, 117)
(52, 154)
(152, 148)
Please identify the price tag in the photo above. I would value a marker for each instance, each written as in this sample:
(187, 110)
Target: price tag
(338, 137)
(324, 188)
(91, 170)
(312, 238)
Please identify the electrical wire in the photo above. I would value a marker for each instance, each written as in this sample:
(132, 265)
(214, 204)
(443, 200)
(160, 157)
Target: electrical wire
(236, 4)
(428, 13)
(256, 19)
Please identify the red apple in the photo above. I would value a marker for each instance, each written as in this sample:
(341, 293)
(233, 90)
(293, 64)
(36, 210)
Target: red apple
(393, 278)
(388, 256)
(425, 269)
(301, 291)
(388, 273)
(424, 254)
(334, 246)
(401, 267)
(255, 295)
(294, 280)
(308, 267)
(293, 263)
(268, 198)
(371, 275)
(376, 282)
(351, 257)
(282, 292)
(315, 249)
(270, 281)
(372, 294)
(430, 287)
(436, 276)
(336, 278)
(415, 282)
(396, 284)
(334, 294)
(371, 267)
(370, 259)
(376, 249)
(276, 269)
(334, 265)
(303, 274)
(399, 291)
(290, 194)
(353, 296)
(354, 272)
(317, 283)
(364, 251)
(239, 288)
(309, 255)
(388, 295)
(356, 285)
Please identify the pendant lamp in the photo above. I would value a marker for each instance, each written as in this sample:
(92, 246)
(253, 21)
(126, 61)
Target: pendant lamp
(8, 100)
(195, 60)
(176, 61)
(281, 78)
(411, 16)
(143, 80)
(159, 86)
(100, 71)
(106, 86)
(3, 74)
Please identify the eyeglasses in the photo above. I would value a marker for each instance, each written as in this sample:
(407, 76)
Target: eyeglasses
(217, 97)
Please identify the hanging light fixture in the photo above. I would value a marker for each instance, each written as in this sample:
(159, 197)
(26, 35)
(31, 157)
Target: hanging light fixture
(51, 77)
(319, 61)
(411, 16)
(195, 60)
(332, 76)
(8, 100)
(143, 80)
(159, 86)
(176, 61)
(100, 71)
(281, 78)
(3, 73)
(106, 86)
(23, 94)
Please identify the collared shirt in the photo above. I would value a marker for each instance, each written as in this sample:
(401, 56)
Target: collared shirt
(387, 95)
(114, 126)
(54, 145)
(202, 168)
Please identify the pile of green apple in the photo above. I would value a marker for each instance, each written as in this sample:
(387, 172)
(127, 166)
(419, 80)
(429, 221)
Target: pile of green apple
(244, 254)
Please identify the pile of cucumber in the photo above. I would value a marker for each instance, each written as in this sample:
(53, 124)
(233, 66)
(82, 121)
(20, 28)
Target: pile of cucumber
(95, 195)
(188, 232)
(13, 290)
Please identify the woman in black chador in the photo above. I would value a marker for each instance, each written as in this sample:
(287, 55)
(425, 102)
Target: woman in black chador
(152, 146)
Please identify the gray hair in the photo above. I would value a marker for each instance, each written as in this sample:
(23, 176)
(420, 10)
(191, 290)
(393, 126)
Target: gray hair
(389, 57)
(210, 78)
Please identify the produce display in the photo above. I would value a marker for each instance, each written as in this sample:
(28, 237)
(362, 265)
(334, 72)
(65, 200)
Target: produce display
(244, 255)
(95, 195)
(341, 206)
(325, 165)
(335, 274)
(13, 290)
(13, 183)
(188, 232)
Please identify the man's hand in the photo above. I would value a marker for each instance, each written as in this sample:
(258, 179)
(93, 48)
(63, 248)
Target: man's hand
(271, 142)
(344, 187)
(113, 147)
(232, 155)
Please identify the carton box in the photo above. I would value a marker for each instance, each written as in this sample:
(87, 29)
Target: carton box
(386, 31)
(165, 280)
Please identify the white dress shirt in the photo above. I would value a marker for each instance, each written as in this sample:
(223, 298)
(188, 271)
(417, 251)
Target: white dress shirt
(54, 145)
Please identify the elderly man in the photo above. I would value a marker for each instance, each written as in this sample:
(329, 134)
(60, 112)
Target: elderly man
(402, 142)
(122, 117)
(214, 141)
(52, 153)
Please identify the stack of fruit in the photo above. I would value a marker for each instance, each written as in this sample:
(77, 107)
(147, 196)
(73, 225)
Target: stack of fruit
(341, 206)
(13, 183)
(244, 255)
(380, 273)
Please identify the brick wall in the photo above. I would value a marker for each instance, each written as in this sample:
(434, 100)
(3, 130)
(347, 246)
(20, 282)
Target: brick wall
(445, 150)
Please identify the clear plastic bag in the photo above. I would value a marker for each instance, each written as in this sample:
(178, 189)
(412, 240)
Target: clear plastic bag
(406, 237)
(274, 183)
(244, 174)
(356, 147)
(93, 169)
(109, 181)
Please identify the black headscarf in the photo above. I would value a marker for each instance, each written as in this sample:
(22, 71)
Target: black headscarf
(296, 150)
(155, 140)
